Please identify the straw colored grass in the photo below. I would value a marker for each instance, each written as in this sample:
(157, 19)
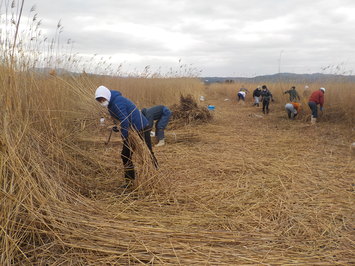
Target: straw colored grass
(187, 112)
(241, 189)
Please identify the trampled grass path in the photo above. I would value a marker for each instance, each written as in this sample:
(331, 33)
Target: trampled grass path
(246, 188)
(250, 188)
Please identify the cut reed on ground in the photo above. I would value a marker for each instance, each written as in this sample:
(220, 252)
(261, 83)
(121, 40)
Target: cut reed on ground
(225, 194)
(61, 201)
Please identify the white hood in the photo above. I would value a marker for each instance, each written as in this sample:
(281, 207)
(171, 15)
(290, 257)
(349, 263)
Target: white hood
(103, 92)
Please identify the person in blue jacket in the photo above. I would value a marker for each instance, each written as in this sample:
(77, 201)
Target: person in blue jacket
(161, 114)
(128, 114)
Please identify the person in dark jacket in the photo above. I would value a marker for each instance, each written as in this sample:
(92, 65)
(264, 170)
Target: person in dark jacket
(256, 95)
(317, 97)
(128, 114)
(161, 114)
(266, 97)
(293, 94)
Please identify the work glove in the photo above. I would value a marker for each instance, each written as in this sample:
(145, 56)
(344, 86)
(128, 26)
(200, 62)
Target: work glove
(115, 129)
(321, 108)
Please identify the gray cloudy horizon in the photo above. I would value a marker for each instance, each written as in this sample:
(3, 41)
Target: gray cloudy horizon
(222, 38)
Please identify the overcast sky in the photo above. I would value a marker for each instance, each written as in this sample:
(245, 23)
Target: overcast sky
(221, 37)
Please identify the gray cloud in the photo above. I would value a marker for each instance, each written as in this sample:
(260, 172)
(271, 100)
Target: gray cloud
(226, 37)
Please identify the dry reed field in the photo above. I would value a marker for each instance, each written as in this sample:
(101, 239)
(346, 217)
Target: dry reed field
(241, 189)
(233, 188)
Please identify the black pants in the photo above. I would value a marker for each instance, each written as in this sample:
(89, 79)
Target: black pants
(127, 152)
(266, 106)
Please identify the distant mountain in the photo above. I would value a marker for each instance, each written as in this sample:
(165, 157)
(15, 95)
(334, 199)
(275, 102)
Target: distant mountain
(279, 77)
(282, 77)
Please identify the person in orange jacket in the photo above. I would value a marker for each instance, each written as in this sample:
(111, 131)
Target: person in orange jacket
(317, 97)
(292, 109)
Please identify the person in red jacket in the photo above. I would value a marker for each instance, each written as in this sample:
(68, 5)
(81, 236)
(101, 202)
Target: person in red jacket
(317, 97)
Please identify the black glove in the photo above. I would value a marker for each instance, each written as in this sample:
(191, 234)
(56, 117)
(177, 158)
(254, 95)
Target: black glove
(115, 129)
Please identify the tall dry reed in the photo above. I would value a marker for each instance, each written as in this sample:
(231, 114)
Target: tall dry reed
(45, 169)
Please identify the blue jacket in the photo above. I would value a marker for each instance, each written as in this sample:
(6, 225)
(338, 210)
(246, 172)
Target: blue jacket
(159, 113)
(127, 113)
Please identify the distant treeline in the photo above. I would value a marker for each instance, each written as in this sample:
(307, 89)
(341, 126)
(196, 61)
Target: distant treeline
(282, 77)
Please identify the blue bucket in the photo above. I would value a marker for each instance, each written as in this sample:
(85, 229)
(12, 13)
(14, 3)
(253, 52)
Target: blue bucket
(211, 107)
